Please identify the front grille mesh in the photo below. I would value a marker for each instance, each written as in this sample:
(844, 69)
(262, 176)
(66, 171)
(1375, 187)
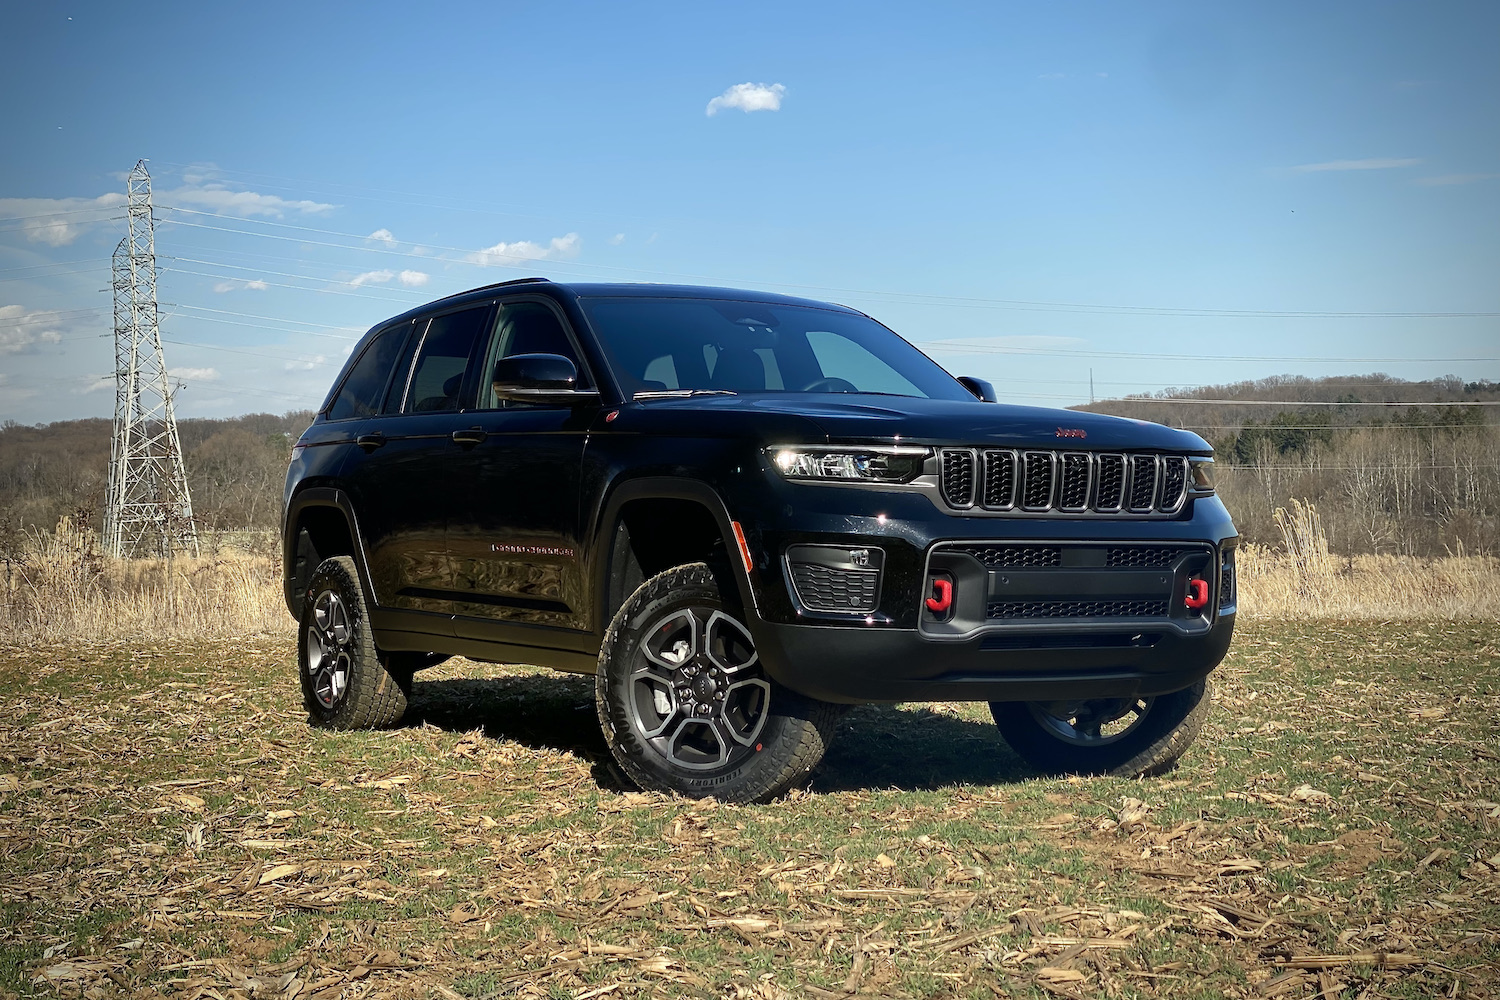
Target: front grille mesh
(958, 477)
(823, 588)
(1015, 555)
(999, 480)
(1226, 583)
(1036, 491)
(1141, 556)
(1077, 609)
(1070, 482)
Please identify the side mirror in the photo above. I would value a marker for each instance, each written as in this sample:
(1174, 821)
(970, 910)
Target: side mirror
(539, 378)
(982, 390)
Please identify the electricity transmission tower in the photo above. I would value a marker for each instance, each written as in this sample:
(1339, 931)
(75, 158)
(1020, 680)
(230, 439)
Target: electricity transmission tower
(148, 511)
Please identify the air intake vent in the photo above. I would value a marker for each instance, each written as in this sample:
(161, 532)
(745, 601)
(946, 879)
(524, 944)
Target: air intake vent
(1144, 556)
(1014, 555)
(1227, 583)
(958, 477)
(834, 579)
(1078, 609)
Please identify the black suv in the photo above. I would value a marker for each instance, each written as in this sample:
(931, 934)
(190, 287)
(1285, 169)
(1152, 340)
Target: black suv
(741, 512)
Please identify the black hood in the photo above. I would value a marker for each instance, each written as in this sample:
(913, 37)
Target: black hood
(868, 417)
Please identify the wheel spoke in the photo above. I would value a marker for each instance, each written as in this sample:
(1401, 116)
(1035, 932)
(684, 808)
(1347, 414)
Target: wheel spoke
(674, 640)
(695, 726)
(737, 651)
(743, 728)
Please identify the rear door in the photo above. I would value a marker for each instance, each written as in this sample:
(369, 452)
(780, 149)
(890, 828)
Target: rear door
(514, 537)
(400, 478)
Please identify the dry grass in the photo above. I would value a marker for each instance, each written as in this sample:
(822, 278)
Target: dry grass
(62, 588)
(1306, 581)
(170, 826)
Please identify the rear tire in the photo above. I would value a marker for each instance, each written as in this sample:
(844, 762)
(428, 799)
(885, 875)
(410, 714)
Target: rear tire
(1124, 738)
(686, 706)
(347, 683)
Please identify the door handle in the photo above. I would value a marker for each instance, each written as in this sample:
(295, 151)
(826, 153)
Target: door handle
(369, 442)
(469, 436)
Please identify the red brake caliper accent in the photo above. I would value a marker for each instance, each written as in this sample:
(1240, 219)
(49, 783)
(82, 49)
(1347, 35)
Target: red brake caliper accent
(944, 599)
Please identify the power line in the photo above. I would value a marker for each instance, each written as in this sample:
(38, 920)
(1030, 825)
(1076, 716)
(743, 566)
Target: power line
(951, 348)
(920, 296)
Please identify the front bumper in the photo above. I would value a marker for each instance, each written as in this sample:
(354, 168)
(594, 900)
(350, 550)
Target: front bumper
(982, 651)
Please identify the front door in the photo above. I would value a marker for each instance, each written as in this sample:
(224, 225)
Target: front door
(514, 544)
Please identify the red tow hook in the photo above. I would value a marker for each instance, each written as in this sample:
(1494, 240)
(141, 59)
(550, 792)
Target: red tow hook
(944, 599)
(1197, 594)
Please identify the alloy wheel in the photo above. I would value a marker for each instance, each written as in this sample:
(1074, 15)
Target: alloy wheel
(329, 653)
(698, 695)
(1092, 723)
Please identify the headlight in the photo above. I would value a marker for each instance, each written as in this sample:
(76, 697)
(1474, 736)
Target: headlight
(1202, 475)
(875, 464)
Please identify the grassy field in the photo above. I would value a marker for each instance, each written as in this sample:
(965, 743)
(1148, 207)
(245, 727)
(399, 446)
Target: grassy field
(170, 825)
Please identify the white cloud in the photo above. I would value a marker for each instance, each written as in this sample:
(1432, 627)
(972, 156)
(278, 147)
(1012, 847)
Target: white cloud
(1377, 163)
(21, 329)
(216, 197)
(1446, 179)
(748, 97)
(252, 285)
(306, 364)
(518, 253)
(95, 383)
(372, 278)
(617, 239)
(382, 236)
(57, 222)
(413, 279)
(195, 374)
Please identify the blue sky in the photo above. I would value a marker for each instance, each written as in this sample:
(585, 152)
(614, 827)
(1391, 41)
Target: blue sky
(1027, 190)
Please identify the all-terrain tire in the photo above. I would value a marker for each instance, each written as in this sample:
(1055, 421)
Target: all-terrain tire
(1165, 731)
(347, 683)
(662, 748)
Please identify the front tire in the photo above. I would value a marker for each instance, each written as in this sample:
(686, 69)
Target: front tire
(347, 683)
(1121, 737)
(686, 705)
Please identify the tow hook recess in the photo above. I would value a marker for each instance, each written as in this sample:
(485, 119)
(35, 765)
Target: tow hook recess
(940, 604)
(1197, 594)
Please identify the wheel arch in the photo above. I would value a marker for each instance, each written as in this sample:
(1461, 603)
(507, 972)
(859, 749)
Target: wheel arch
(654, 523)
(320, 523)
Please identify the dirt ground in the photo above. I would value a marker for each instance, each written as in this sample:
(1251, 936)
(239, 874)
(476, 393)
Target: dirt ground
(170, 825)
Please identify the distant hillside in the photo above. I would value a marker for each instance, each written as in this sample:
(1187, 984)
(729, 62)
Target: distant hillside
(1302, 403)
(235, 471)
(1419, 480)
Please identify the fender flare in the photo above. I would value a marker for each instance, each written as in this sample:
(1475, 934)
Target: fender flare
(321, 496)
(661, 488)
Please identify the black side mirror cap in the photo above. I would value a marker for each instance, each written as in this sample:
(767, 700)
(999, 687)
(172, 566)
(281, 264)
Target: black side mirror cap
(539, 378)
(982, 390)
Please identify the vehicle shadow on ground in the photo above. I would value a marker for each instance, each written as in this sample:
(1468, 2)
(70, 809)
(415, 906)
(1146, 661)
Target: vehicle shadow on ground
(877, 746)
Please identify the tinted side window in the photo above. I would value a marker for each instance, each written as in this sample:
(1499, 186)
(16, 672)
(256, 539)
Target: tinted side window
(526, 328)
(438, 376)
(363, 390)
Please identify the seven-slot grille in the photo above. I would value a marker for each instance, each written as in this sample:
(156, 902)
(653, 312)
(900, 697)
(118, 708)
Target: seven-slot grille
(1068, 482)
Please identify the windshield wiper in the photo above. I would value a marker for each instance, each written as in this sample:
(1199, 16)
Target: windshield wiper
(681, 393)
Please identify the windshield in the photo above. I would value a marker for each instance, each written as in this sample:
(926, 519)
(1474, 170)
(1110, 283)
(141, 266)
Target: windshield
(724, 345)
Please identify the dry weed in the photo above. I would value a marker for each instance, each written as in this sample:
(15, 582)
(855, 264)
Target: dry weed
(64, 588)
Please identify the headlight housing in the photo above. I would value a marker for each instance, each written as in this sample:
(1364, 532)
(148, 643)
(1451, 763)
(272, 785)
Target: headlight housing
(1201, 478)
(849, 463)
